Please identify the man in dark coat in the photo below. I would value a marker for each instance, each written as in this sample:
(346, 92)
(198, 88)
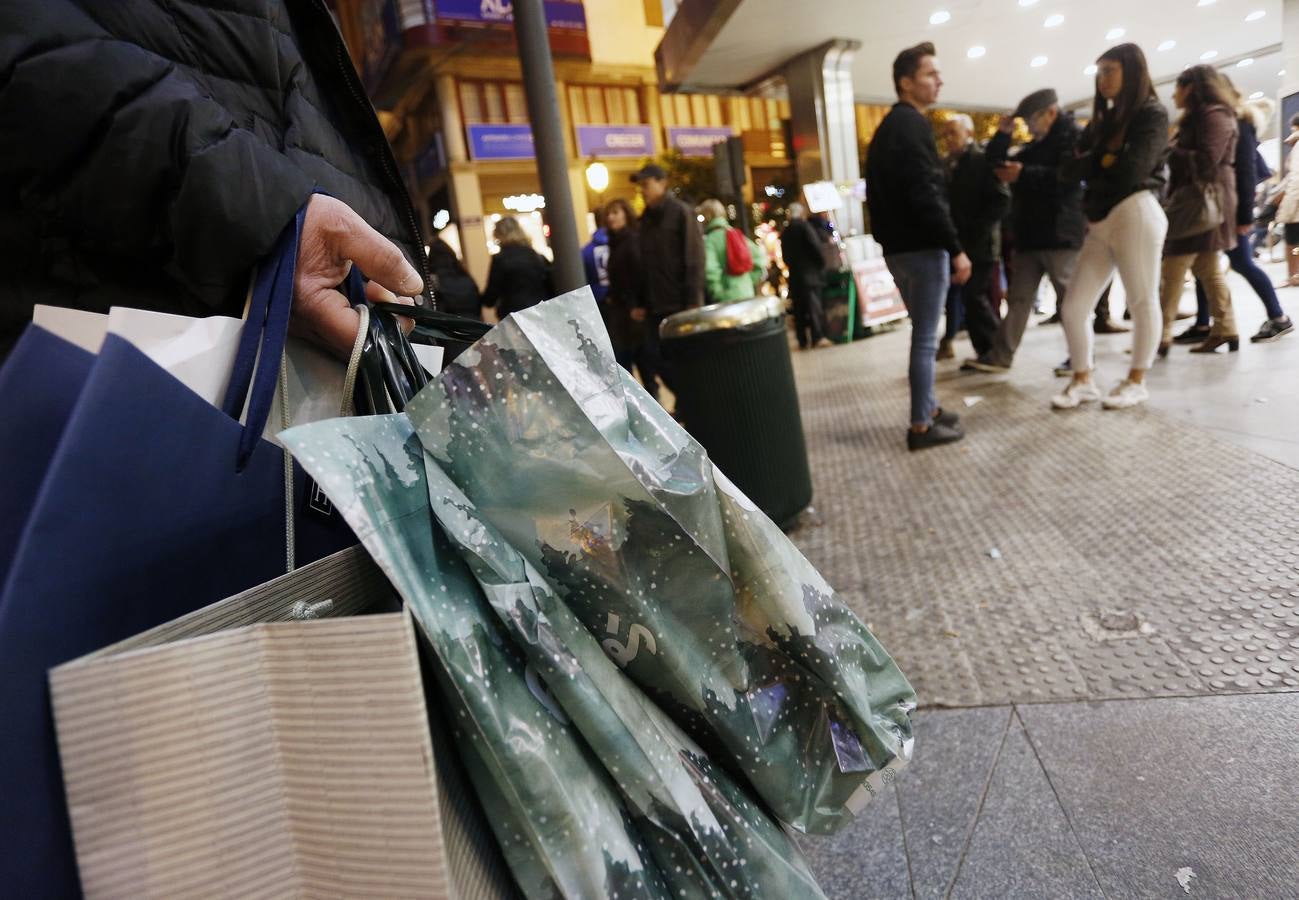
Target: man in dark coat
(152, 158)
(1047, 219)
(979, 201)
(672, 263)
(801, 249)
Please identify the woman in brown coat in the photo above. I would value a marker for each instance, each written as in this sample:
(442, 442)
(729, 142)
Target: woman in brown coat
(1203, 152)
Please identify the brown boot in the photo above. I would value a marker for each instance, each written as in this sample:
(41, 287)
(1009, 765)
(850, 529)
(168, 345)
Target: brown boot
(945, 350)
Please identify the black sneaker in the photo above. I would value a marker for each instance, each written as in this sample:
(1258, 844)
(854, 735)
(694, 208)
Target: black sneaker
(950, 419)
(1273, 329)
(936, 436)
(1065, 368)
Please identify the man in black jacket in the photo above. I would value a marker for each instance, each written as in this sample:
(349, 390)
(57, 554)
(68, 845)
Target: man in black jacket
(672, 264)
(151, 159)
(907, 193)
(1047, 219)
(979, 201)
(801, 249)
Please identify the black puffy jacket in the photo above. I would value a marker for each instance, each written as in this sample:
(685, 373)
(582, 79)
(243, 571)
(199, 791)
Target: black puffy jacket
(672, 258)
(979, 202)
(151, 151)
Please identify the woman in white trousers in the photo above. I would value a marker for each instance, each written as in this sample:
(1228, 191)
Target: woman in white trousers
(1121, 157)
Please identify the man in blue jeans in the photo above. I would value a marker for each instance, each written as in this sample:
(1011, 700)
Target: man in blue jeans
(910, 217)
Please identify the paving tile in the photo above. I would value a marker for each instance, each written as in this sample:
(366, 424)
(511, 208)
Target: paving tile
(1155, 786)
(865, 861)
(939, 792)
(1023, 845)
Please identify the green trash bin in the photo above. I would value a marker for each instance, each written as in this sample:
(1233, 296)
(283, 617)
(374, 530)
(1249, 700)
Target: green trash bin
(735, 394)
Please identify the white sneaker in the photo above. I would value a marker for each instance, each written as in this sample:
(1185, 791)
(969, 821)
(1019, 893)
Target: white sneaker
(1127, 394)
(1075, 395)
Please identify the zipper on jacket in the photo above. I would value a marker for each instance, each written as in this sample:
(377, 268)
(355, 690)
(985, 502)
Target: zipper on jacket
(384, 151)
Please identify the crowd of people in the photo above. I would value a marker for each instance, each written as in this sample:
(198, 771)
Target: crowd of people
(1130, 195)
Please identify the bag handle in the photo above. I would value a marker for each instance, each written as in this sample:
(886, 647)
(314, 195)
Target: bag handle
(256, 370)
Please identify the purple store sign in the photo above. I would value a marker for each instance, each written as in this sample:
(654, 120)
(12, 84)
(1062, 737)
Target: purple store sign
(615, 140)
(692, 141)
(500, 141)
(568, 15)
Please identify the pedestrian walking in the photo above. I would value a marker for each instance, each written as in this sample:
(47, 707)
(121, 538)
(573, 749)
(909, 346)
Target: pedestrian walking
(672, 263)
(734, 264)
(1046, 215)
(801, 246)
(1287, 211)
(625, 285)
(979, 201)
(907, 194)
(1201, 192)
(455, 287)
(519, 276)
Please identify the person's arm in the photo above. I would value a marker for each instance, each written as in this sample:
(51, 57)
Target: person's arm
(495, 282)
(692, 258)
(713, 267)
(995, 202)
(918, 170)
(1246, 176)
(998, 150)
(760, 261)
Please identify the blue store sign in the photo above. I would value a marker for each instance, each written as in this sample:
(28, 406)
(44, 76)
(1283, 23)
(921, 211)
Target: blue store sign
(500, 141)
(615, 140)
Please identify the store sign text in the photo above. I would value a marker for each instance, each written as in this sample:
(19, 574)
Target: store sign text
(615, 140)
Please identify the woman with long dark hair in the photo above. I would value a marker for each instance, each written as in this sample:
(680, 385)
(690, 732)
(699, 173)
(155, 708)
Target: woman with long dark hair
(625, 283)
(455, 288)
(1201, 164)
(1121, 157)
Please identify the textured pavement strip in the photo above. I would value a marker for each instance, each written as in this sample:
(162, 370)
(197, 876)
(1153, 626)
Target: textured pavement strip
(1092, 512)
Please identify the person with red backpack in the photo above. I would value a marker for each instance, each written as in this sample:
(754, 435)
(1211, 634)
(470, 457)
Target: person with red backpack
(734, 265)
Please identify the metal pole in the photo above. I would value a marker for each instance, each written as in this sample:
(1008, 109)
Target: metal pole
(548, 138)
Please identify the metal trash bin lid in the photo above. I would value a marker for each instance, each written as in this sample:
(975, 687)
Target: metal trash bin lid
(721, 316)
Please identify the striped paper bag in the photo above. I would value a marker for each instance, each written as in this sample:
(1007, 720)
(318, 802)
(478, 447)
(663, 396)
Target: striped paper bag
(276, 744)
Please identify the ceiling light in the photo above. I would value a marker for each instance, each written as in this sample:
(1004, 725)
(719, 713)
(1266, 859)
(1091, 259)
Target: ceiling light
(1208, 55)
(1206, 2)
(1115, 33)
(1281, 74)
(1091, 70)
(1038, 62)
(1257, 95)
(1247, 61)
(1166, 45)
(1054, 20)
(939, 17)
(1027, 3)
(976, 52)
(1256, 15)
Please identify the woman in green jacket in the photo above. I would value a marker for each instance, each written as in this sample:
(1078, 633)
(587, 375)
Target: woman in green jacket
(721, 285)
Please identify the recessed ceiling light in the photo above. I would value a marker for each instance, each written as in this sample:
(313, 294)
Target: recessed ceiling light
(1281, 74)
(976, 52)
(1027, 3)
(1166, 45)
(1257, 95)
(1206, 2)
(1115, 33)
(1038, 62)
(939, 17)
(1208, 55)
(1247, 61)
(1091, 70)
(1054, 20)
(1256, 15)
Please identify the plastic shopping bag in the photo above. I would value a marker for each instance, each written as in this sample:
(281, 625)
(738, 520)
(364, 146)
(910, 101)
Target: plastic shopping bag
(556, 812)
(702, 600)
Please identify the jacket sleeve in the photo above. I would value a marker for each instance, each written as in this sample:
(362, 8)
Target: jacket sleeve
(692, 258)
(1044, 179)
(1246, 174)
(713, 266)
(495, 283)
(124, 149)
(996, 196)
(1082, 162)
(1145, 145)
(928, 196)
(998, 149)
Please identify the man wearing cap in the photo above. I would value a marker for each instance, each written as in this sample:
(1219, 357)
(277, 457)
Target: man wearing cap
(672, 257)
(1046, 216)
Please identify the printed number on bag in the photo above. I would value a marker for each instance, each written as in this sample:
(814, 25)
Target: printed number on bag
(637, 635)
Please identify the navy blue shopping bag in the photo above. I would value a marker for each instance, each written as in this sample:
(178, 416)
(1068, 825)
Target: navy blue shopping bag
(153, 504)
(39, 385)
